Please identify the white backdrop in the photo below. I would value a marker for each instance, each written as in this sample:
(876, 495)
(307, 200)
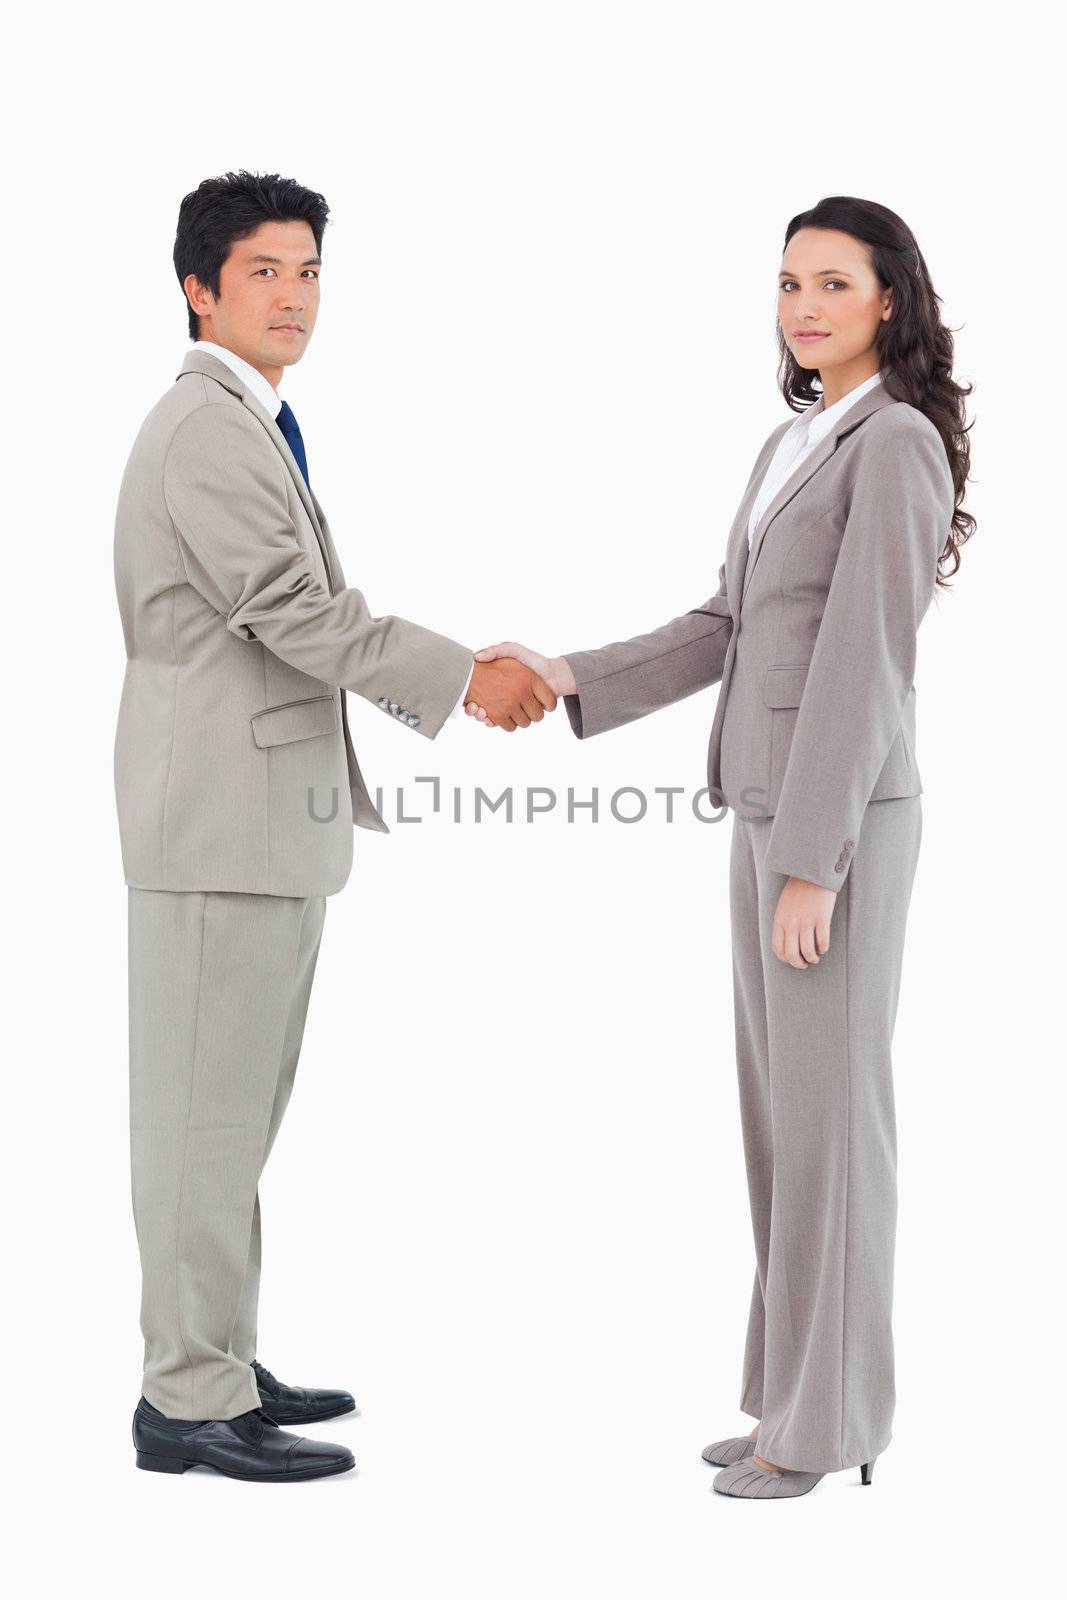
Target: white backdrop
(507, 1206)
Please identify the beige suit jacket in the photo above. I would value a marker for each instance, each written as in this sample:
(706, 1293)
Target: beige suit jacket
(812, 634)
(234, 766)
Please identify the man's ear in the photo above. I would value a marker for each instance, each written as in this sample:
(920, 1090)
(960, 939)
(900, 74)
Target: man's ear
(201, 299)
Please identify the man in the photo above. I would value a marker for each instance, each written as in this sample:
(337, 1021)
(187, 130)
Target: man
(237, 788)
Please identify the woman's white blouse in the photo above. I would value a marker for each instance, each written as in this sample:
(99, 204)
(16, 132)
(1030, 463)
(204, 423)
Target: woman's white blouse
(797, 442)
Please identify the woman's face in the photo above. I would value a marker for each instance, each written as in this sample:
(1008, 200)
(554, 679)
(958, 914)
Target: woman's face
(827, 289)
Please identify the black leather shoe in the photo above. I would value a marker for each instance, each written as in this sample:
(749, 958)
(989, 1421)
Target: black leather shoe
(249, 1446)
(282, 1403)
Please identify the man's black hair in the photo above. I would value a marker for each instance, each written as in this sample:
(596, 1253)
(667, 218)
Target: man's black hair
(222, 210)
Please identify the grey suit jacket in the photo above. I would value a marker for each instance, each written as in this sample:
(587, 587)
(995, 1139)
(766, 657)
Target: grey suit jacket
(812, 634)
(234, 766)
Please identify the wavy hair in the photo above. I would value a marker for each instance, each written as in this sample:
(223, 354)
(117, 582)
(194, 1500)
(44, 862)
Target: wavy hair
(914, 346)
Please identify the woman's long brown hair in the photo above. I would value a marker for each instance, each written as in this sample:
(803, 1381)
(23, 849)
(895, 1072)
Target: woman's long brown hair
(914, 346)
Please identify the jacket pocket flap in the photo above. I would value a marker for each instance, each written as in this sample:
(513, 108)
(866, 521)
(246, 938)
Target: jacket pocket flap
(299, 719)
(784, 686)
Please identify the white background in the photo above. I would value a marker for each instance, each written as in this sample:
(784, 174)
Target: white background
(507, 1207)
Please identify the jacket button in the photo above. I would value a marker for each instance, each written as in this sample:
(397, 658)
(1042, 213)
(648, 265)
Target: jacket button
(849, 844)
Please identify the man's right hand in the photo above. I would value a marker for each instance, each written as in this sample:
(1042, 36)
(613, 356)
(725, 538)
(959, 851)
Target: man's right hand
(555, 673)
(512, 694)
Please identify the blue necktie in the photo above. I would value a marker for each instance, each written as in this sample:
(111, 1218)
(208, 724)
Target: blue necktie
(293, 438)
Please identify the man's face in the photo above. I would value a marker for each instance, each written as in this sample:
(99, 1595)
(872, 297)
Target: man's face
(268, 296)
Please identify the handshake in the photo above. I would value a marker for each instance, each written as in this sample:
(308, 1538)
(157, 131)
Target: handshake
(512, 686)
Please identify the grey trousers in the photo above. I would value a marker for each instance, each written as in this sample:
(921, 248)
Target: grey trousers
(218, 993)
(817, 1118)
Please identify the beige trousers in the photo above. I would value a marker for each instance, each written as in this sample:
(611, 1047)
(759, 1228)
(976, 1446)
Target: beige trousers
(218, 992)
(817, 1117)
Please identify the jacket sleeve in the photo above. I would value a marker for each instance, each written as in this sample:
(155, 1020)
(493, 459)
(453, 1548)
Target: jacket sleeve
(863, 663)
(620, 682)
(227, 501)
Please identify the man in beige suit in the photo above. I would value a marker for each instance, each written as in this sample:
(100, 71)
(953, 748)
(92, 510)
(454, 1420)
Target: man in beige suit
(237, 788)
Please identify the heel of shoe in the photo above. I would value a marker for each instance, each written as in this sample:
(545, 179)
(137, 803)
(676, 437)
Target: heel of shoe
(150, 1463)
(867, 1472)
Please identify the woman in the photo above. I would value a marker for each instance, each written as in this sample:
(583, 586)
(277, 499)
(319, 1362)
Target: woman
(851, 512)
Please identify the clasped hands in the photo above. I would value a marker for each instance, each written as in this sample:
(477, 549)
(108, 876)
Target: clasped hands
(512, 686)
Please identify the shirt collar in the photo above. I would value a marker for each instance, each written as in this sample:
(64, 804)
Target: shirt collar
(265, 392)
(819, 419)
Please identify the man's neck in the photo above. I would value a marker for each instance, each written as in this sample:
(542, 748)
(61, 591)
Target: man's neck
(255, 379)
(271, 374)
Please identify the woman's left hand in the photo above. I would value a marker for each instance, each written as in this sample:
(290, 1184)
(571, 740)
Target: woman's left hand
(801, 932)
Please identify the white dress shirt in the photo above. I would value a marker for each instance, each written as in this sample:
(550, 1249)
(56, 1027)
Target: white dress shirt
(270, 400)
(809, 428)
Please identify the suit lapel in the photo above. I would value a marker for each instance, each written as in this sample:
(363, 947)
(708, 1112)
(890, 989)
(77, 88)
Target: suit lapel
(211, 367)
(737, 539)
(871, 401)
(333, 564)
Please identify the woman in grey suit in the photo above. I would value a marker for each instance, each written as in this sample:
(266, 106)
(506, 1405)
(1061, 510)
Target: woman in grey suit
(851, 513)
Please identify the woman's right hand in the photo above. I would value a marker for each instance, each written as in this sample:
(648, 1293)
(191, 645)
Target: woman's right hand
(555, 671)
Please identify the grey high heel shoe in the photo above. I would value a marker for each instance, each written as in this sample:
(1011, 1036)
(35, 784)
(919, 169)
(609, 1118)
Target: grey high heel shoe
(748, 1482)
(728, 1452)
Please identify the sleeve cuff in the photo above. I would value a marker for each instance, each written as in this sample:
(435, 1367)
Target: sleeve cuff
(458, 707)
